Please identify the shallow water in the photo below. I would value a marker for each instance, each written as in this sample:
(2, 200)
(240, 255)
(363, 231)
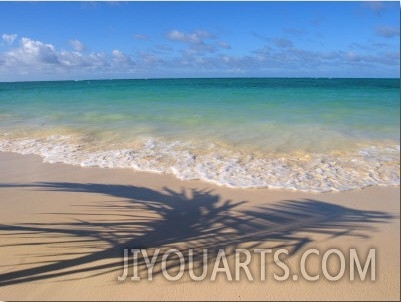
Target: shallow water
(302, 134)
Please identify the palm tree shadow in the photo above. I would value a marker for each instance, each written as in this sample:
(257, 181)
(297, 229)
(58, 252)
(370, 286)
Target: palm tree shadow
(149, 219)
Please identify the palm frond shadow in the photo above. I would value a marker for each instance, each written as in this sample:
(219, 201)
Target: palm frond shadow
(142, 218)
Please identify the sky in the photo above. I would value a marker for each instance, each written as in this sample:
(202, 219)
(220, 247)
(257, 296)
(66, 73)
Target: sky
(110, 40)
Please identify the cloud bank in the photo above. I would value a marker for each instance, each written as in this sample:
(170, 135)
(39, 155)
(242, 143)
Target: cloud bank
(193, 54)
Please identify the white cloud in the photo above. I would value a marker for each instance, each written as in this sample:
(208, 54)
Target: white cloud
(32, 52)
(177, 36)
(9, 39)
(196, 37)
(199, 42)
(38, 54)
(77, 45)
(120, 58)
(117, 54)
(34, 59)
(71, 60)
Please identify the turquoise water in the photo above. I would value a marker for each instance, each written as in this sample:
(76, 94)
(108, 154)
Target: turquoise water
(302, 134)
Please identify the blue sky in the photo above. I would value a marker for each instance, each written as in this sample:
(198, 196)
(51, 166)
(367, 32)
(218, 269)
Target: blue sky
(90, 40)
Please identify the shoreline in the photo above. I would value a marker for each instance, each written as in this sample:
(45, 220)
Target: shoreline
(334, 171)
(64, 228)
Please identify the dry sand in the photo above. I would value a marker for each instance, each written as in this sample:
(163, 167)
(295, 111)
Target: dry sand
(63, 230)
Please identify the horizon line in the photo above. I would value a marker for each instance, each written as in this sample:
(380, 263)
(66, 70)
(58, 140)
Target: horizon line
(195, 78)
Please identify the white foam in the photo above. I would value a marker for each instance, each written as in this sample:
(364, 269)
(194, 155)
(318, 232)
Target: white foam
(370, 165)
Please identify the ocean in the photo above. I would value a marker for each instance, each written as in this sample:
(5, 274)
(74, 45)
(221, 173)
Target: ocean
(303, 134)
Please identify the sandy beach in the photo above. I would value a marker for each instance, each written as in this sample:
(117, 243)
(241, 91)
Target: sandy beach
(200, 151)
(64, 230)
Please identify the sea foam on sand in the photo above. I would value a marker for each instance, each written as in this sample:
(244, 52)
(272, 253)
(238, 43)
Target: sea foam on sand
(313, 172)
